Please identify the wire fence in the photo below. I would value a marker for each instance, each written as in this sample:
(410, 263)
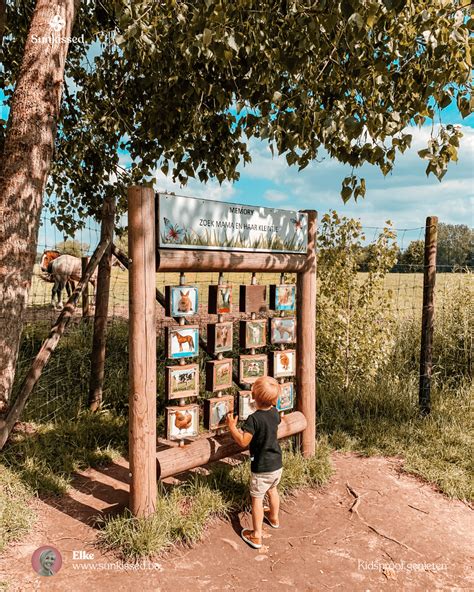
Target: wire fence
(62, 390)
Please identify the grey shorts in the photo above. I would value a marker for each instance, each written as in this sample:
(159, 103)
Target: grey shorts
(260, 483)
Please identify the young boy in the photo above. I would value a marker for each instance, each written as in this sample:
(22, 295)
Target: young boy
(259, 432)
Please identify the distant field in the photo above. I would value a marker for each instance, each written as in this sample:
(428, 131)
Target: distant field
(407, 288)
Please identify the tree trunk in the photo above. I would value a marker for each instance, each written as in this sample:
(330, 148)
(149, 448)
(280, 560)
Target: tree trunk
(25, 166)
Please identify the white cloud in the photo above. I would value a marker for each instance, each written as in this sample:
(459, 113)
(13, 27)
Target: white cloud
(275, 196)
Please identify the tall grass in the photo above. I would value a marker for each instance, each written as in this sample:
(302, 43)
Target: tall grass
(16, 516)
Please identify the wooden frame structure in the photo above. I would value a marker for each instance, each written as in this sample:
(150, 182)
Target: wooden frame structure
(145, 259)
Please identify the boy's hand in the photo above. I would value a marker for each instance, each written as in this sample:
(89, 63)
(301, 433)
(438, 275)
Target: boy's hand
(231, 420)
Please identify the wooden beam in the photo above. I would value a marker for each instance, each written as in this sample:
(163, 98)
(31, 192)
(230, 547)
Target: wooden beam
(142, 346)
(178, 459)
(48, 347)
(427, 323)
(101, 307)
(306, 341)
(177, 260)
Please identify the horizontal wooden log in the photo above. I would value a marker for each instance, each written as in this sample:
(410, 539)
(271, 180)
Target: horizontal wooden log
(181, 260)
(175, 460)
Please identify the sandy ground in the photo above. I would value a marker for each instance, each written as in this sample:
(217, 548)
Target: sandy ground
(403, 535)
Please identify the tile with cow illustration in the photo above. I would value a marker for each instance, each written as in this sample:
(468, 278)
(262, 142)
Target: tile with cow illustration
(283, 363)
(182, 381)
(252, 367)
(220, 337)
(253, 333)
(283, 330)
(181, 301)
(218, 374)
(220, 299)
(182, 341)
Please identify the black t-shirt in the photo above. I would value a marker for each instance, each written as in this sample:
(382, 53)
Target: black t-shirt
(264, 448)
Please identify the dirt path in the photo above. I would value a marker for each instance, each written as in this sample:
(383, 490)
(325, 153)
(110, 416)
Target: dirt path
(321, 545)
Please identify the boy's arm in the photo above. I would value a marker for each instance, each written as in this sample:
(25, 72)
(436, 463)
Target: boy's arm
(242, 438)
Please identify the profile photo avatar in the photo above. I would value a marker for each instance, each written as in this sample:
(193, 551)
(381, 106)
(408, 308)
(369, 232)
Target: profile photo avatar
(46, 561)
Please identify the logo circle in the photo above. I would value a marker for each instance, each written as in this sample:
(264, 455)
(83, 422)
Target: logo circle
(57, 23)
(46, 560)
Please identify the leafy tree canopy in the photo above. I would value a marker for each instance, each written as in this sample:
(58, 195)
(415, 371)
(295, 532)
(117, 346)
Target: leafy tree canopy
(184, 85)
(413, 256)
(72, 247)
(455, 246)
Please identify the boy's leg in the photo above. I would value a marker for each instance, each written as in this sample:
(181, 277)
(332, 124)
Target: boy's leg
(257, 516)
(274, 501)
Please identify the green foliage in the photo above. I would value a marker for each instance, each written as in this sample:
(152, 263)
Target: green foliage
(184, 87)
(72, 247)
(181, 517)
(354, 317)
(413, 256)
(455, 246)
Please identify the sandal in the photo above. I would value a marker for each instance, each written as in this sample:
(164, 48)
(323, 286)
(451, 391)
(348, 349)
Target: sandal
(266, 518)
(247, 536)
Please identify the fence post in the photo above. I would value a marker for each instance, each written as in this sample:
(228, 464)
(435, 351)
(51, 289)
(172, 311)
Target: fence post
(142, 346)
(101, 307)
(85, 294)
(306, 341)
(427, 322)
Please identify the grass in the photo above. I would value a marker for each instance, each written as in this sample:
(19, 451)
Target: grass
(219, 238)
(437, 448)
(184, 512)
(16, 516)
(46, 457)
(44, 461)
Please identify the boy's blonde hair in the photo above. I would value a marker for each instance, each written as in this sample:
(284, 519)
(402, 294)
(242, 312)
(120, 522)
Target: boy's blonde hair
(266, 390)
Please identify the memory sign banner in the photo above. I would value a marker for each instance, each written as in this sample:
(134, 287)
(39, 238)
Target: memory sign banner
(190, 223)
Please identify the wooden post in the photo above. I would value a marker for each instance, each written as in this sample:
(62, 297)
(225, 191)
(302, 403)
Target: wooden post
(85, 294)
(306, 341)
(101, 307)
(427, 322)
(48, 347)
(142, 346)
